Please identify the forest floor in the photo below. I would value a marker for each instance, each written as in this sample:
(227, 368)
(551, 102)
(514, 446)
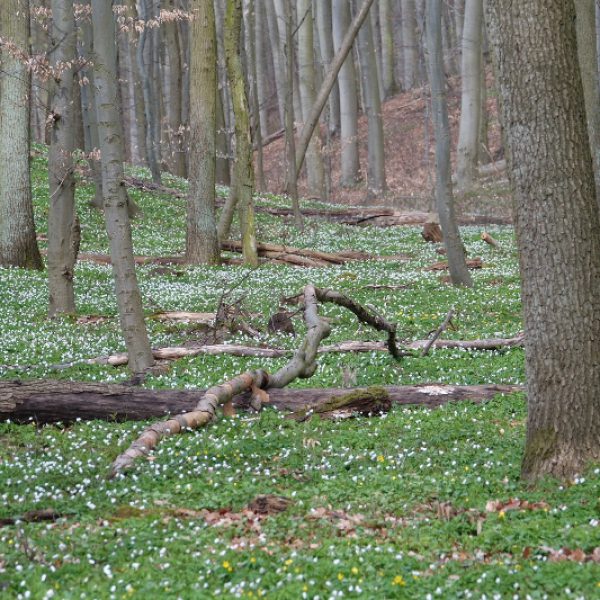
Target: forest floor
(418, 503)
(410, 157)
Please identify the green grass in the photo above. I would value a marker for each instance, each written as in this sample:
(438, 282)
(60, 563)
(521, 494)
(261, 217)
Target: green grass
(387, 507)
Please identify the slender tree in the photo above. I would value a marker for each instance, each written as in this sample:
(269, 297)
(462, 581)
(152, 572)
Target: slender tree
(202, 244)
(376, 183)
(116, 201)
(350, 168)
(307, 79)
(243, 178)
(63, 227)
(410, 55)
(558, 230)
(18, 245)
(443, 188)
(470, 111)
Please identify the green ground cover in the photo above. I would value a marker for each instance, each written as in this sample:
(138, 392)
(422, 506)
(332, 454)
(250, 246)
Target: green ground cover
(417, 504)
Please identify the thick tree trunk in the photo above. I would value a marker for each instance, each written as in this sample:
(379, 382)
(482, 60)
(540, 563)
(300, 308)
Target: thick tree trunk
(51, 401)
(558, 230)
(470, 107)
(443, 188)
(63, 230)
(115, 196)
(276, 34)
(202, 244)
(18, 245)
(347, 82)
(376, 183)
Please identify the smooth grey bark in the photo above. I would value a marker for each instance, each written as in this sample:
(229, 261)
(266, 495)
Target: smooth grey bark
(443, 186)
(260, 46)
(18, 245)
(470, 111)
(88, 108)
(588, 63)
(347, 81)
(307, 78)
(386, 26)
(202, 243)
(145, 60)
(324, 23)
(276, 34)
(175, 94)
(409, 41)
(558, 230)
(376, 183)
(116, 202)
(250, 10)
(63, 228)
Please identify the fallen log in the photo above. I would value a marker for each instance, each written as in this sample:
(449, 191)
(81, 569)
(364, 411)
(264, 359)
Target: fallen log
(51, 401)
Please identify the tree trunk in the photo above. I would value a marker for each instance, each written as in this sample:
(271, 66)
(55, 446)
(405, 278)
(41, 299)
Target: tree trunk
(115, 196)
(63, 230)
(443, 188)
(409, 41)
(222, 175)
(18, 245)
(470, 107)
(588, 63)
(386, 24)
(175, 95)
(558, 230)
(145, 59)
(376, 184)
(347, 82)
(276, 34)
(202, 244)
(261, 57)
(306, 69)
(48, 401)
(243, 179)
(324, 22)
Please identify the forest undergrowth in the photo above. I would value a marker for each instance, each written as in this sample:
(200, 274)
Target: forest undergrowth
(417, 503)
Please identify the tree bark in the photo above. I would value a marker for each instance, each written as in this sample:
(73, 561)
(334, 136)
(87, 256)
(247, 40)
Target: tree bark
(558, 230)
(376, 183)
(48, 401)
(388, 58)
(145, 57)
(409, 42)
(115, 196)
(202, 244)
(243, 179)
(470, 111)
(63, 228)
(18, 245)
(306, 72)
(443, 188)
(350, 168)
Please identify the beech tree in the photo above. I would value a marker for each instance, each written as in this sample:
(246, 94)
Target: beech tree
(443, 185)
(18, 245)
(63, 227)
(116, 201)
(558, 230)
(202, 244)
